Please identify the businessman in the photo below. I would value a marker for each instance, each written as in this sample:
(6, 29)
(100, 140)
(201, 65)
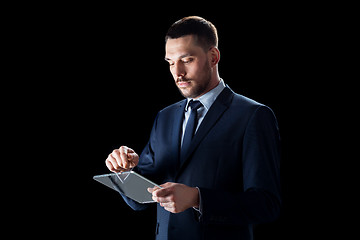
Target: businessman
(216, 153)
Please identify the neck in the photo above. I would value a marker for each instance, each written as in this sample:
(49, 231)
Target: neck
(215, 80)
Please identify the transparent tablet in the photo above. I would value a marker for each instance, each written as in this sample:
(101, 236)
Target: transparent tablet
(130, 183)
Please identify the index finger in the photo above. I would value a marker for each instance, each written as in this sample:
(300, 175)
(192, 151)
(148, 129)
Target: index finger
(124, 156)
(123, 150)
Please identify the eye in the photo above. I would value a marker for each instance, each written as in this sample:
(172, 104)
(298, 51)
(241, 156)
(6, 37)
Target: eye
(187, 60)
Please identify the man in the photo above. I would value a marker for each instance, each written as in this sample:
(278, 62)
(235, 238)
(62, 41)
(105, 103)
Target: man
(221, 176)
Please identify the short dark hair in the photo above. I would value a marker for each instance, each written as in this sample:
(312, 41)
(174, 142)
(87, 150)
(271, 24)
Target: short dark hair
(204, 30)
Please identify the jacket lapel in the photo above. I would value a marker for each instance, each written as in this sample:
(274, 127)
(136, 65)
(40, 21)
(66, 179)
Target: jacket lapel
(176, 131)
(216, 110)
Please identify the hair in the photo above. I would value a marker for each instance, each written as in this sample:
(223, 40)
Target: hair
(205, 31)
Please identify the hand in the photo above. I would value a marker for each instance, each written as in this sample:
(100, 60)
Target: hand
(175, 197)
(122, 159)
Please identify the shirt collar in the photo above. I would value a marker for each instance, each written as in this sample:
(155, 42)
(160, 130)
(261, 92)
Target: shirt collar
(209, 98)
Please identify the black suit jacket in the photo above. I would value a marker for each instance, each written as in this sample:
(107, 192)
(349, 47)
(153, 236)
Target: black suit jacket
(233, 159)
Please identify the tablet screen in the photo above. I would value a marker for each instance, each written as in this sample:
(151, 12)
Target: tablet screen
(131, 184)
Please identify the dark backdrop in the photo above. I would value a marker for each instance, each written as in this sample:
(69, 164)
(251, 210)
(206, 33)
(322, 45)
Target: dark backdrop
(104, 79)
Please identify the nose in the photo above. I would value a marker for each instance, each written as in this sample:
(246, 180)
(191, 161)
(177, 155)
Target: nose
(178, 70)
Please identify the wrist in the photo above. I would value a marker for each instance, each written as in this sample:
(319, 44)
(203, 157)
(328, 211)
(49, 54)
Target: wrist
(196, 201)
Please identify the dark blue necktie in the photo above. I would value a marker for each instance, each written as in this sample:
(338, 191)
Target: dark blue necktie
(190, 127)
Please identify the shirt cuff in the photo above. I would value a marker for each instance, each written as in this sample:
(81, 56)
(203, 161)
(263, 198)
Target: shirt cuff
(199, 210)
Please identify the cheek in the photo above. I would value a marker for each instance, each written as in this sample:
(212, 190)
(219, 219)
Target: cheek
(200, 66)
(193, 70)
(172, 72)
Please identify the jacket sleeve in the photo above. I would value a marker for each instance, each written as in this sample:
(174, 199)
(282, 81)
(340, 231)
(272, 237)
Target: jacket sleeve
(259, 201)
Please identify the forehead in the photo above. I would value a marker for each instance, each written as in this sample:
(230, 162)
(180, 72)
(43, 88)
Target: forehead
(181, 46)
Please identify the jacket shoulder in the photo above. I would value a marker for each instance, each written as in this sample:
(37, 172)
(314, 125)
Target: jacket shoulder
(245, 102)
(174, 106)
(249, 106)
(252, 108)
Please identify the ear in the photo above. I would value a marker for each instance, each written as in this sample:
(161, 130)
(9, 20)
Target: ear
(214, 56)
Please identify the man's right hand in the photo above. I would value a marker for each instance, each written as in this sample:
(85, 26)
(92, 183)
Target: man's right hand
(122, 159)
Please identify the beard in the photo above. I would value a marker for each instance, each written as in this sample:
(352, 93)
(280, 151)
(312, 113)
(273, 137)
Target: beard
(197, 87)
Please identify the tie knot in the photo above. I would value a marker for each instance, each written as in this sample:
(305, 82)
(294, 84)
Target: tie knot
(195, 104)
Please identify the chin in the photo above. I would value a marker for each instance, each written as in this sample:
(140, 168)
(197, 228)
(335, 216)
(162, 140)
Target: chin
(193, 91)
(188, 94)
(185, 92)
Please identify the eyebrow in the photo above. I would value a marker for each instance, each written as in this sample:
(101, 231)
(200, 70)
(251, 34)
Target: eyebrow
(182, 56)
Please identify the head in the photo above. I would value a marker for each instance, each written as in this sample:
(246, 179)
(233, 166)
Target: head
(192, 53)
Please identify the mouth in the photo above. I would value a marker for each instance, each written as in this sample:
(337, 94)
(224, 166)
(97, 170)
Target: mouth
(183, 83)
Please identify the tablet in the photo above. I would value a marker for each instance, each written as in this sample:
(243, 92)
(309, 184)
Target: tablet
(130, 183)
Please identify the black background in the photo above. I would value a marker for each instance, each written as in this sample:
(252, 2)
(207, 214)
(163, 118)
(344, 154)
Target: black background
(99, 78)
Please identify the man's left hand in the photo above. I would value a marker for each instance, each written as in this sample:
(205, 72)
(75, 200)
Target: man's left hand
(175, 197)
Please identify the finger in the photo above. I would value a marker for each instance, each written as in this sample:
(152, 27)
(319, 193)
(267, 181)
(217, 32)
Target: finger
(167, 184)
(130, 153)
(159, 192)
(151, 190)
(167, 199)
(165, 190)
(172, 210)
(116, 155)
(124, 157)
(132, 157)
(156, 196)
(113, 162)
(162, 200)
(109, 165)
(168, 204)
(129, 150)
(163, 197)
(113, 167)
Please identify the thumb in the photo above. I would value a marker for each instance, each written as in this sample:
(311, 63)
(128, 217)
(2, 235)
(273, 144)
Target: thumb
(130, 153)
(151, 190)
(131, 156)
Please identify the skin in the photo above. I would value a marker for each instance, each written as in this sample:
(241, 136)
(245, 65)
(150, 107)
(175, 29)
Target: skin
(195, 72)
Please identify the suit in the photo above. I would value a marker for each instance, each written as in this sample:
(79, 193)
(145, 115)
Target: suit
(234, 161)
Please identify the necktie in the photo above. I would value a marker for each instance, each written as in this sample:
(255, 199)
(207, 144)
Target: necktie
(190, 127)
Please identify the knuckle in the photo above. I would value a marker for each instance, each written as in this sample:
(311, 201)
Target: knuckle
(157, 193)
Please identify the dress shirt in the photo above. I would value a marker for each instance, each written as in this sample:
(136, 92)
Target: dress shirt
(207, 100)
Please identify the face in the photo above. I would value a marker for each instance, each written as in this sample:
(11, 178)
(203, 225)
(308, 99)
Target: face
(189, 66)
